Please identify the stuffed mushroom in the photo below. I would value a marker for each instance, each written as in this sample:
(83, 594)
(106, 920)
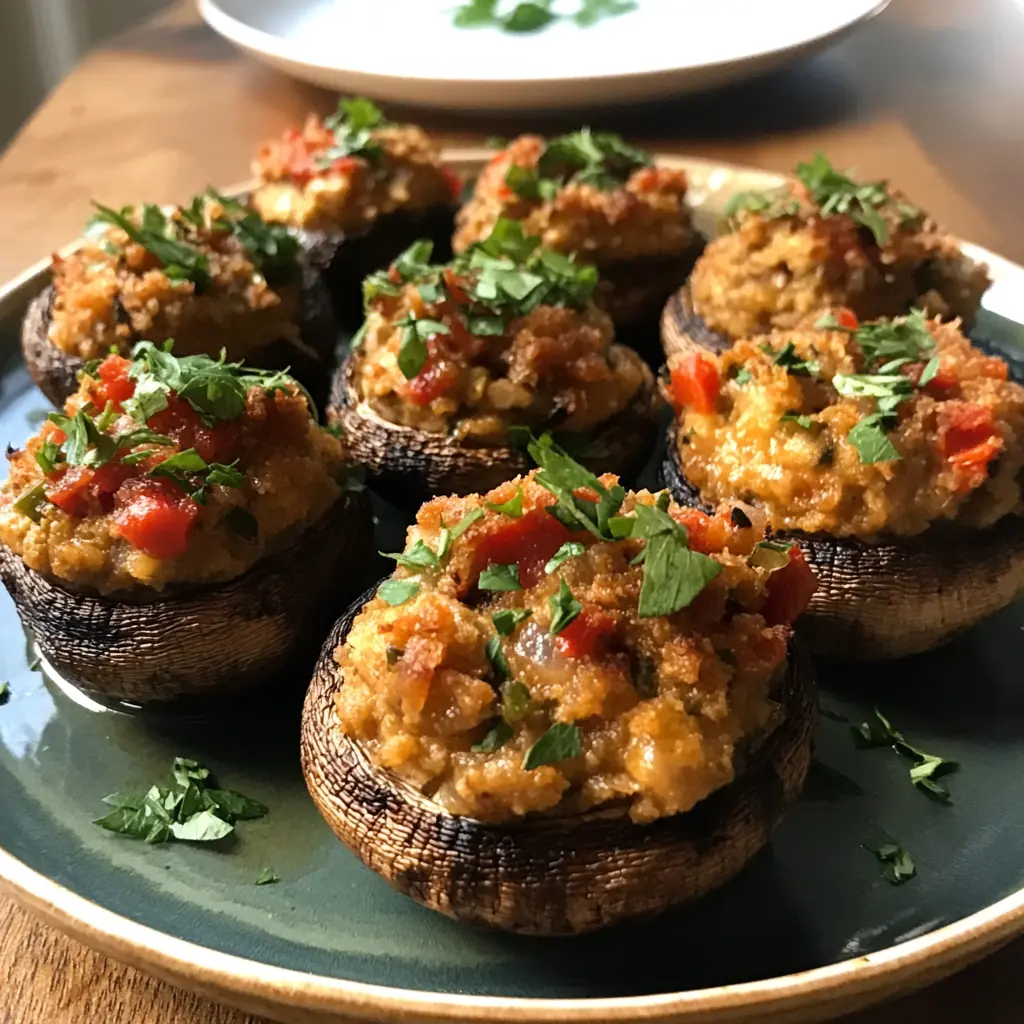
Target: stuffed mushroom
(359, 189)
(824, 240)
(183, 529)
(213, 275)
(592, 195)
(891, 451)
(526, 728)
(456, 363)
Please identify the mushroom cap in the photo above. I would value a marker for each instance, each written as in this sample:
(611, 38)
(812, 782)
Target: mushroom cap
(878, 601)
(150, 647)
(409, 466)
(55, 372)
(550, 874)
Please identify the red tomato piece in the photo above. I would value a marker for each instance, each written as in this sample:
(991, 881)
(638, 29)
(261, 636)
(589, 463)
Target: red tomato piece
(71, 493)
(455, 288)
(585, 634)
(964, 425)
(790, 590)
(113, 383)
(529, 542)
(437, 376)
(51, 432)
(182, 423)
(695, 384)
(701, 528)
(454, 183)
(846, 317)
(155, 517)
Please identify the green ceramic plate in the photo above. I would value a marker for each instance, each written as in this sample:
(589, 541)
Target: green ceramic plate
(331, 938)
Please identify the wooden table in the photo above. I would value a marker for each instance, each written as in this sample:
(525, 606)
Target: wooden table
(931, 95)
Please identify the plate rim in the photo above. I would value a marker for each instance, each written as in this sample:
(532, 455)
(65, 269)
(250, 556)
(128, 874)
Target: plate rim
(265, 44)
(838, 987)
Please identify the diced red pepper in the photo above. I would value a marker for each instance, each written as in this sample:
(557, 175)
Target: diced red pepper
(695, 384)
(455, 288)
(51, 432)
(846, 317)
(585, 634)
(943, 385)
(182, 423)
(454, 183)
(437, 377)
(155, 517)
(701, 528)
(529, 542)
(113, 383)
(789, 590)
(970, 440)
(71, 493)
(993, 366)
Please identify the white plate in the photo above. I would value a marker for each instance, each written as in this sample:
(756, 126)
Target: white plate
(409, 51)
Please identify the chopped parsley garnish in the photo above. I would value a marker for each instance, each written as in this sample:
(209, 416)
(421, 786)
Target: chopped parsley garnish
(155, 232)
(560, 743)
(243, 523)
(570, 549)
(803, 422)
(413, 354)
(533, 15)
(471, 517)
(564, 608)
(31, 502)
(926, 769)
(396, 592)
(191, 810)
(743, 376)
(353, 124)
(888, 346)
(673, 574)
(497, 736)
(500, 577)
(787, 358)
(215, 388)
(271, 246)
(897, 864)
(419, 556)
(194, 475)
(496, 656)
(512, 508)
(267, 877)
(505, 621)
(835, 193)
(600, 159)
(515, 701)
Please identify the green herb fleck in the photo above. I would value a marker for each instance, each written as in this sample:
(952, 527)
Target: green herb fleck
(267, 877)
(560, 743)
(31, 503)
(512, 508)
(500, 577)
(497, 736)
(507, 619)
(497, 659)
(395, 592)
(926, 769)
(564, 609)
(570, 549)
(419, 556)
(897, 864)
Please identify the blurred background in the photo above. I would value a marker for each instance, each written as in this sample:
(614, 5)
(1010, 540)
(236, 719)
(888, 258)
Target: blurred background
(42, 41)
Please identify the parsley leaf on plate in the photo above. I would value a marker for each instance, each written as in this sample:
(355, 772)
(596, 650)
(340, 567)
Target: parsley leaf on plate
(897, 864)
(570, 549)
(189, 811)
(926, 769)
(512, 508)
(497, 736)
(507, 619)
